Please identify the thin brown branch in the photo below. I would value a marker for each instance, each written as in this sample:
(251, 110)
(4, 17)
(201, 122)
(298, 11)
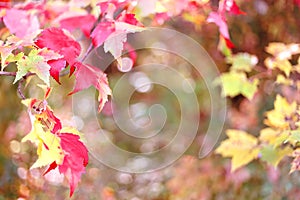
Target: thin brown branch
(20, 92)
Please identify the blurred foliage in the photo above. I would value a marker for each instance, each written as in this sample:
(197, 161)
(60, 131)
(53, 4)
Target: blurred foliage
(189, 178)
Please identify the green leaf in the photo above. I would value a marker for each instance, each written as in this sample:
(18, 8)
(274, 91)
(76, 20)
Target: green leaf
(273, 155)
(33, 63)
(235, 83)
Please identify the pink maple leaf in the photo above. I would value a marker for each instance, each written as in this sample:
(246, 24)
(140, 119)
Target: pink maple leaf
(101, 32)
(84, 23)
(216, 18)
(20, 22)
(86, 76)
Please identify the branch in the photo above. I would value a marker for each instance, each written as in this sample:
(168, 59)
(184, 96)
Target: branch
(88, 51)
(7, 73)
(20, 92)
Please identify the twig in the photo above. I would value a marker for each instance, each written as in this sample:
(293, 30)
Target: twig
(20, 92)
(7, 73)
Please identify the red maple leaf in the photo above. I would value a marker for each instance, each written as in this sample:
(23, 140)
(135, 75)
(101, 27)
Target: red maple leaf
(129, 18)
(75, 160)
(56, 67)
(59, 41)
(84, 23)
(86, 76)
(4, 3)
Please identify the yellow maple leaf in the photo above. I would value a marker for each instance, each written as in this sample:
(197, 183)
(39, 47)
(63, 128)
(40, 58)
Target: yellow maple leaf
(240, 146)
(273, 137)
(49, 149)
(282, 110)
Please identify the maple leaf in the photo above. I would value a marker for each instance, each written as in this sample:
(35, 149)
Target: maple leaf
(273, 137)
(86, 76)
(60, 41)
(5, 51)
(101, 32)
(282, 114)
(283, 65)
(34, 63)
(218, 19)
(274, 155)
(85, 23)
(129, 18)
(240, 146)
(242, 62)
(40, 110)
(20, 22)
(49, 149)
(235, 83)
(56, 67)
(75, 160)
(282, 51)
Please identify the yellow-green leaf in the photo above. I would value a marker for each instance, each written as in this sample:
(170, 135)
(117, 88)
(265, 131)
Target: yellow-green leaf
(235, 83)
(33, 63)
(273, 155)
(242, 62)
(273, 137)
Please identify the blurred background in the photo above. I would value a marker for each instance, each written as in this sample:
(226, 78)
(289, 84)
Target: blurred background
(189, 178)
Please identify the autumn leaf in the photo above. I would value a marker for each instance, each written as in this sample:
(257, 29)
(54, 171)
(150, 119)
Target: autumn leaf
(75, 160)
(273, 155)
(273, 137)
(282, 113)
(85, 23)
(86, 76)
(30, 22)
(49, 149)
(6, 51)
(282, 51)
(235, 83)
(219, 20)
(60, 41)
(34, 63)
(240, 146)
(242, 62)
(115, 43)
(56, 67)
(101, 32)
(40, 110)
(283, 65)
